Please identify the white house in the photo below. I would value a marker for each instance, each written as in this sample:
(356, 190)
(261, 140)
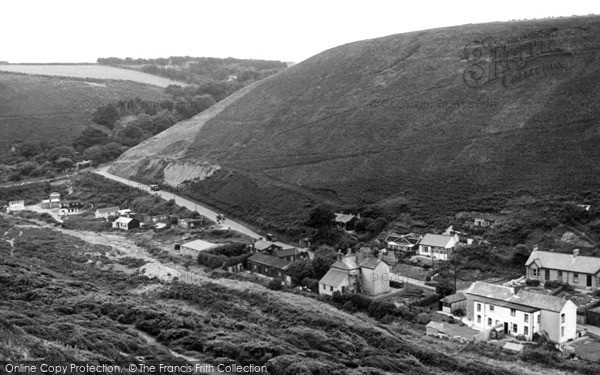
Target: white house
(525, 313)
(375, 276)
(438, 246)
(126, 223)
(104, 213)
(581, 272)
(15, 206)
(342, 277)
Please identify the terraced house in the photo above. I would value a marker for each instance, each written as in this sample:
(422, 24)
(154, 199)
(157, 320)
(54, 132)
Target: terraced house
(581, 272)
(495, 307)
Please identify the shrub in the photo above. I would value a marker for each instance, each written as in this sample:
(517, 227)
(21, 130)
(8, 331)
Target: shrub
(360, 301)
(552, 284)
(459, 312)
(379, 309)
(349, 306)
(532, 282)
(312, 284)
(427, 301)
(396, 284)
(423, 318)
(275, 284)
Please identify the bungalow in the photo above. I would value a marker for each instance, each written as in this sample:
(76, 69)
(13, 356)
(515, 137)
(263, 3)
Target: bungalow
(437, 246)
(196, 246)
(483, 221)
(268, 265)
(402, 244)
(104, 213)
(15, 206)
(451, 303)
(70, 208)
(581, 272)
(346, 221)
(153, 219)
(524, 313)
(126, 223)
(277, 249)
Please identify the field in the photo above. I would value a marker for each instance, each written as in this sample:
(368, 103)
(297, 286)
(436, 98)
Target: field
(92, 71)
(36, 108)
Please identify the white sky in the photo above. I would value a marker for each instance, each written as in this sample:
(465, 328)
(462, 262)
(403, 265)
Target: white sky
(82, 31)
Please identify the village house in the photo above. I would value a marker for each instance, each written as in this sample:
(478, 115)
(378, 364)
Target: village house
(105, 213)
(153, 219)
(14, 206)
(581, 272)
(483, 221)
(70, 208)
(401, 244)
(268, 265)
(346, 221)
(438, 246)
(354, 273)
(494, 307)
(450, 304)
(126, 223)
(52, 202)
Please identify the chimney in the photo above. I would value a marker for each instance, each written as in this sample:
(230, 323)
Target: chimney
(340, 256)
(575, 253)
(349, 251)
(535, 247)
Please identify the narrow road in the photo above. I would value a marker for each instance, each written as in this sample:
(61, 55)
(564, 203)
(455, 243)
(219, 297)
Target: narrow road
(181, 201)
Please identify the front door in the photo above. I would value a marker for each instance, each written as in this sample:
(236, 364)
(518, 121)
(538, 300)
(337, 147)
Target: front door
(588, 282)
(547, 275)
(505, 328)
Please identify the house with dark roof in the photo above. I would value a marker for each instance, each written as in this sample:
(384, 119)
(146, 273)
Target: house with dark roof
(581, 272)
(126, 223)
(346, 221)
(104, 213)
(438, 246)
(525, 313)
(277, 249)
(268, 265)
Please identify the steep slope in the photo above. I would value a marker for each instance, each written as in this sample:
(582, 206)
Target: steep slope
(37, 108)
(436, 115)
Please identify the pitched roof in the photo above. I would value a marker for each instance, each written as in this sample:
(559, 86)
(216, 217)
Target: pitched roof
(565, 262)
(343, 218)
(370, 262)
(334, 277)
(436, 240)
(269, 260)
(457, 297)
(199, 245)
(107, 210)
(261, 245)
(436, 325)
(487, 290)
(124, 219)
(285, 252)
(538, 300)
(347, 263)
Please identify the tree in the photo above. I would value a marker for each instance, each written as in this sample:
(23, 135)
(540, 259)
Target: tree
(64, 163)
(444, 289)
(62, 152)
(321, 217)
(325, 256)
(131, 135)
(106, 116)
(90, 137)
(30, 149)
(300, 270)
(520, 255)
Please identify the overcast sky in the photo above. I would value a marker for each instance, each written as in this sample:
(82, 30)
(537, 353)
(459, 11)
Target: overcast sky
(82, 31)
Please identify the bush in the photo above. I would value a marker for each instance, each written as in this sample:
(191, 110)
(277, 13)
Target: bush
(396, 284)
(275, 284)
(379, 309)
(423, 318)
(360, 301)
(427, 301)
(459, 312)
(532, 282)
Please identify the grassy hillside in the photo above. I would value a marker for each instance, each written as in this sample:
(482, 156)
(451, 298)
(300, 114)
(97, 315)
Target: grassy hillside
(430, 118)
(37, 108)
(89, 71)
(68, 299)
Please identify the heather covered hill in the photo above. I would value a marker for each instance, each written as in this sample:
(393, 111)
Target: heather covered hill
(431, 117)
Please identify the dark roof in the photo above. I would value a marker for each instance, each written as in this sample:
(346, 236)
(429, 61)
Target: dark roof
(108, 210)
(565, 262)
(285, 252)
(334, 277)
(269, 260)
(454, 298)
(370, 262)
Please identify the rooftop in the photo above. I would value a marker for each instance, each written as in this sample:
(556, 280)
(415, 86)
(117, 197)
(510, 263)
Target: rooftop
(108, 210)
(343, 218)
(269, 260)
(565, 262)
(334, 277)
(199, 245)
(436, 240)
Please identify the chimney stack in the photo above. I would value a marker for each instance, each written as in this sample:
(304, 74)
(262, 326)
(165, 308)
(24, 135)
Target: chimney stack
(535, 247)
(575, 253)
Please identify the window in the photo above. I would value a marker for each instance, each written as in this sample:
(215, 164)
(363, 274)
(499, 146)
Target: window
(513, 312)
(562, 318)
(497, 322)
(331, 289)
(562, 331)
(538, 319)
(515, 328)
(560, 274)
(478, 318)
(254, 266)
(489, 321)
(526, 318)
(491, 307)
(526, 330)
(479, 307)
(575, 278)
(535, 272)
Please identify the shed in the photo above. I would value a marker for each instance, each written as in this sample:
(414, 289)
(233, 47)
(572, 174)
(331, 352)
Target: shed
(435, 328)
(451, 303)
